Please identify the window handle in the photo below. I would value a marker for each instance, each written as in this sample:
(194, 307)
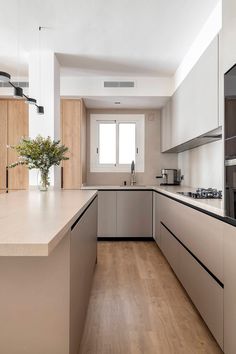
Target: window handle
(97, 150)
(137, 150)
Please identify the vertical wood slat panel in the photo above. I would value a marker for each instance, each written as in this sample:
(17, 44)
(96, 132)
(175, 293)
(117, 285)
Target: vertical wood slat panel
(18, 127)
(73, 128)
(3, 143)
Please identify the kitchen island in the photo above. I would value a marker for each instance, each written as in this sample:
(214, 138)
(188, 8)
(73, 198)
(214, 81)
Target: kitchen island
(47, 259)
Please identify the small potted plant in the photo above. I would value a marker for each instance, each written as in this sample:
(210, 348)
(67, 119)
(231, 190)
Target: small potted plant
(40, 153)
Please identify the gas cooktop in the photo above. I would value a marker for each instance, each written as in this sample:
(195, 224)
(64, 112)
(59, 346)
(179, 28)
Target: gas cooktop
(203, 193)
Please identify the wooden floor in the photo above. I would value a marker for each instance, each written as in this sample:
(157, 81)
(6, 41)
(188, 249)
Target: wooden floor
(138, 306)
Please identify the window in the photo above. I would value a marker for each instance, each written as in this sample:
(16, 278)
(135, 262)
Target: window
(115, 141)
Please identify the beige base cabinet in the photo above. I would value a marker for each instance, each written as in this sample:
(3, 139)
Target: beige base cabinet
(229, 289)
(192, 242)
(204, 291)
(201, 233)
(43, 300)
(125, 213)
(83, 254)
(134, 214)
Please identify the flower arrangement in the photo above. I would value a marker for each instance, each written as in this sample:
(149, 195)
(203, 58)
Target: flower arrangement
(40, 153)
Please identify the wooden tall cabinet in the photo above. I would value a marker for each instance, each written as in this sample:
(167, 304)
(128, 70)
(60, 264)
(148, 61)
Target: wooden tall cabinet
(13, 125)
(3, 144)
(73, 135)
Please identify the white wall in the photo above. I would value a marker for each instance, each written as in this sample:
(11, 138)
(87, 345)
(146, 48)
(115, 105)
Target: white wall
(94, 86)
(202, 166)
(44, 85)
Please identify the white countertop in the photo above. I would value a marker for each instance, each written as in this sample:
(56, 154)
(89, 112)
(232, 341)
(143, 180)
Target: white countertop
(215, 206)
(32, 223)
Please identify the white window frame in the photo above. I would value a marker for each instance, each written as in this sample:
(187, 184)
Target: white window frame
(139, 120)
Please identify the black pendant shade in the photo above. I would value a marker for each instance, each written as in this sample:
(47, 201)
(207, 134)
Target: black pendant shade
(40, 109)
(30, 100)
(18, 92)
(4, 77)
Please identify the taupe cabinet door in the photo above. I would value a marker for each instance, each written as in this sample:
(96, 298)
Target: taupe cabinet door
(83, 252)
(107, 213)
(156, 217)
(134, 214)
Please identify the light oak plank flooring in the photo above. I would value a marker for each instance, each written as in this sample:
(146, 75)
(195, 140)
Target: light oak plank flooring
(138, 306)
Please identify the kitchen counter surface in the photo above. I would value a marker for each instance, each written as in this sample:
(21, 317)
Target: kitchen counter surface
(215, 206)
(32, 223)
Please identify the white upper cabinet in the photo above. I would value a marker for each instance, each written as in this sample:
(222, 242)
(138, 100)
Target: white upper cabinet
(228, 43)
(193, 110)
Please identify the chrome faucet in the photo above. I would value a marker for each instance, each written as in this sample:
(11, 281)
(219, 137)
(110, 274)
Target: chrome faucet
(132, 177)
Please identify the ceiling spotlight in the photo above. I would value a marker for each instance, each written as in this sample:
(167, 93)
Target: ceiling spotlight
(4, 77)
(18, 92)
(30, 100)
(40, 109)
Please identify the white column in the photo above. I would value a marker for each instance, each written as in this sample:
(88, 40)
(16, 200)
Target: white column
(44, 86)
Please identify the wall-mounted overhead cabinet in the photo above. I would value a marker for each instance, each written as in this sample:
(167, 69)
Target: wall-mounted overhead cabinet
(228, 33)
(14, 124)
(193, 110)
(73, 128)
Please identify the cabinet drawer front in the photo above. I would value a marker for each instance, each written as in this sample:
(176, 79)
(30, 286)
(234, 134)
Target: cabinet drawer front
(200, 233)
(204, 291)
(171, 249)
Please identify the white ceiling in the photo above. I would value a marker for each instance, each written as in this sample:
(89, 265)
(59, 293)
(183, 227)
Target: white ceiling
(102, 37)
(125, 102)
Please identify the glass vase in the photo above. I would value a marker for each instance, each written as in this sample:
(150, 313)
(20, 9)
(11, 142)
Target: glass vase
(44, 180)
